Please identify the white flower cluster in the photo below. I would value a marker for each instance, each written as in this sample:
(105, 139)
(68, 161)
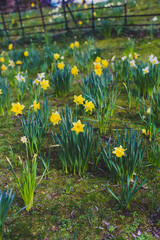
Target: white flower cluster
(20, 78)
(39, 78)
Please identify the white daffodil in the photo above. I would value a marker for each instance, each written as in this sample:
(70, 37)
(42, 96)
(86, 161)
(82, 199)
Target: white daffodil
(24, 139)
(151, 57)
(41, 76)
(145, 70)
(155, 19)
(50, 20)
(130, 55)
(37, 81)
(154, 61)
(20, 78)
(123, 58)
(132, 63)
(113, 58)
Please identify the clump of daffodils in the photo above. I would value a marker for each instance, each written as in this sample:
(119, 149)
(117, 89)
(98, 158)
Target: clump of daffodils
(100, 64)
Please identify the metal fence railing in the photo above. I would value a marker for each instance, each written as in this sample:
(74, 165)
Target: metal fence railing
(21, 19)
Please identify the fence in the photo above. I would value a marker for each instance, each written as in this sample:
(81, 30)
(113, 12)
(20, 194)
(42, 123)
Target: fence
(23, 19)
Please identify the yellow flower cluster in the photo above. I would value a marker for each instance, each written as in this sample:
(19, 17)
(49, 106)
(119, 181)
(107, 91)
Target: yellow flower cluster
(99, 64)
(76, 43)
(44, 84)
(74, 71)
(89, 105)
(61, 65)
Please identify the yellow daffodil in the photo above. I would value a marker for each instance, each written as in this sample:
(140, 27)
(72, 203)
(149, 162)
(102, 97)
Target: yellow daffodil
(55, 118)
(97, 66)
(72, 45)
(119, 151)
(135, 55)
(36, 105)
(44, 84)
(26, 54)
(74, 71)
(98, 72)
(78, 99)
(32, 5)
(76, 44)
(94, 14)
(104, 63)
(0, 91)
(98, 60)
(79, 5)
(145, 132)
(61, 65)
(2, 59)
(80, 22)
(149, 110)
(89, 106)
(56, 56)
(86, 43)
(124, 84)
(17, 108)
(78, 127)
(13, 21)
(3, 68)
(10, 46)
(19, 62)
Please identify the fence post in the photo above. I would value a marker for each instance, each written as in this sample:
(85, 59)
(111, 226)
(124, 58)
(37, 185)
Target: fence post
(71, 14)
(93, 17)
(64, 9)
(43, 22)
(4, 25)
(125, 8)
(20, 19)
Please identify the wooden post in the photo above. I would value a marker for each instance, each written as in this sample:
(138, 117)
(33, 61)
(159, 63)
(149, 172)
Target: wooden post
(43, 22)
(93, 27)
(71, 13)
(20, 19)
(4, 25)
(125, 8)
(64, 9)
